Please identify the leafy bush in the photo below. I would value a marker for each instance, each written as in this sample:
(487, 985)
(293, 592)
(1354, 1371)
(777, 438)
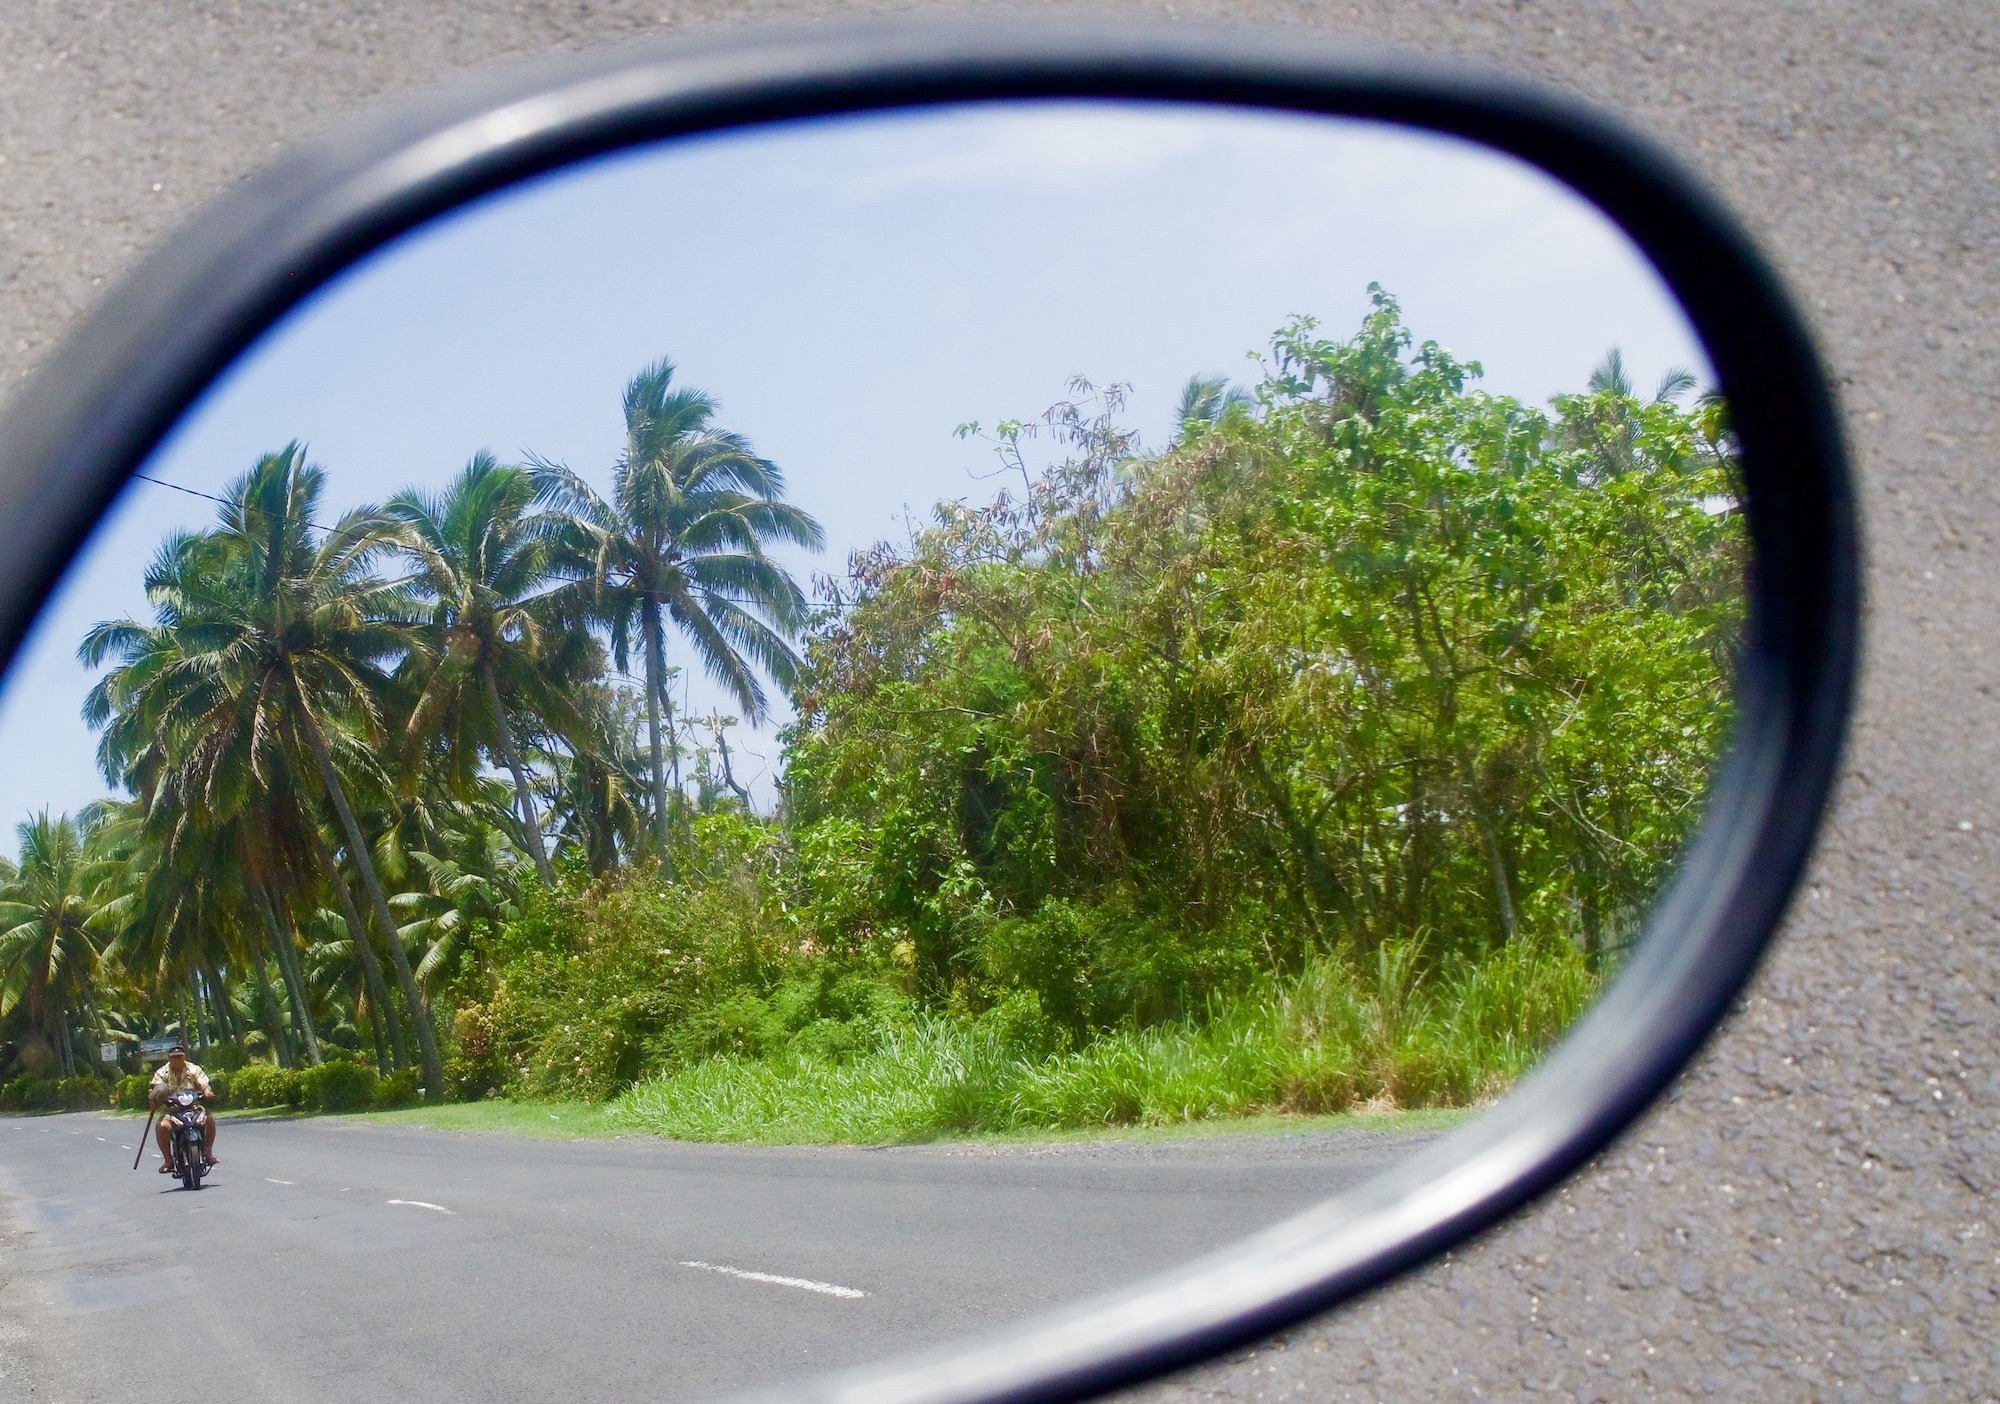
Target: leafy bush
(474, 1070)
(1338, 1035)
(130, 1091)
(338, 1086)
(396, 1090)
(628, 976)
(267, 1085)
(1094, 965)
(54, 1094)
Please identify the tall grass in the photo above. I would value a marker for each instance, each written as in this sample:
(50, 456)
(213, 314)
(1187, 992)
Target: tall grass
(1338, 1034)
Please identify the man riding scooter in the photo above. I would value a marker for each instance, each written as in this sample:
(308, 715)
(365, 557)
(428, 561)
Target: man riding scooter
(177, 1074)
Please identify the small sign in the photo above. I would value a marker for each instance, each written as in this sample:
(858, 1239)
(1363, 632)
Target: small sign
(108, 1052)
(157, 1047)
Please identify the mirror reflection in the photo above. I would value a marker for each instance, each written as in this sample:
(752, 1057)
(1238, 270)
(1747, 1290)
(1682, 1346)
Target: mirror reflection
(1137, 663)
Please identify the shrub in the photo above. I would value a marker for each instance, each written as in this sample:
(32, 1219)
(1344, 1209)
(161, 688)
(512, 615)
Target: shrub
(1097, 965)
(930, 1077)
(130, 1090)
(473, 1070)
(471, 1079)
(54, 1094)
(266, 1085)
(1023, 1029)
(339, 1086)
(629, 976)
(1336, 1035)
(83, 1093)
(397, 1090)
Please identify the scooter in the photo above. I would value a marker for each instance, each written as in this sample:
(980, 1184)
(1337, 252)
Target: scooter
(187, 1134)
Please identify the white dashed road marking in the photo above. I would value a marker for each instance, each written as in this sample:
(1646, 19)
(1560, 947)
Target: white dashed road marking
(830, 1289)
(287, 1182)
(423, 1204)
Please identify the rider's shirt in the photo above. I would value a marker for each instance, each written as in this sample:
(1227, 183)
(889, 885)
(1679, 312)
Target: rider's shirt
(189, 1079)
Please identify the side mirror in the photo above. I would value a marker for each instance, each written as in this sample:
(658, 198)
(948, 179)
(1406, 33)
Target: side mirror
(1711, 890)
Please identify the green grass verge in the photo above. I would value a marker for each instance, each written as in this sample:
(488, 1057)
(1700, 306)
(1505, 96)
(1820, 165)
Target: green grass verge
(1331, 1040)
(1254, 1125)
(550, 1120)
(1322, 1049)
(595, 1121)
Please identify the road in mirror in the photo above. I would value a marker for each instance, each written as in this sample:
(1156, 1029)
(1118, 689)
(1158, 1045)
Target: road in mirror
(1004, 695)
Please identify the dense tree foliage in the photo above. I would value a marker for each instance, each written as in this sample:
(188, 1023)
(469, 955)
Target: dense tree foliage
(1358, 725)
(1380, 656)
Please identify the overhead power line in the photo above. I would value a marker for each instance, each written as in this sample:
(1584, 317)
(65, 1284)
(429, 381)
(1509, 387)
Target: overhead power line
(211, 497)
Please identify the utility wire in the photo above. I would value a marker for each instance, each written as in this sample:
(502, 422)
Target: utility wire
(220, 501)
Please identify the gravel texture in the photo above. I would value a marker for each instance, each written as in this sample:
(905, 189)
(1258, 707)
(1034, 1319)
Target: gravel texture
(1811, 1216)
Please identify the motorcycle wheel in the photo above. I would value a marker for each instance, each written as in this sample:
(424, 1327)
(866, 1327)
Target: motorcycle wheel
(190, 1174)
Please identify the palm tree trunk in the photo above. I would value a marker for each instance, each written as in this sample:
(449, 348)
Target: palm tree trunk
(95, 1022)
(282, 1051)
(531, 823)
(219, 1006)
(655, 689)
(211, 1018)
(192, 1036)
(296, 996)
(216, 1032)
(357, 848)
(288, 966)
(382, 1056)
(364, 948)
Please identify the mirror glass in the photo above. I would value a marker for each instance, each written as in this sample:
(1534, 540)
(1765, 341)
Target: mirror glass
(782, 747)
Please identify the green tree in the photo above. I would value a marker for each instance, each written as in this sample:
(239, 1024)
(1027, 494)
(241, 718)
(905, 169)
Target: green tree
(48, 949)
(682, 539)
(1383, 659)
(272, 644)
(1204, 401)
(495, 644)
(601, 789)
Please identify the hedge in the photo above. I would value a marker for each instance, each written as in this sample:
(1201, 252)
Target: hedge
(54, 1094)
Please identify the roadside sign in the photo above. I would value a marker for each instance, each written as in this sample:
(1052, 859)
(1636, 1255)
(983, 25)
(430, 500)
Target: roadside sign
(157, 1047)
(108, 1052)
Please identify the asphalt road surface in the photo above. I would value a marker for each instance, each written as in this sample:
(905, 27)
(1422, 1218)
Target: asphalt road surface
(334, 1260)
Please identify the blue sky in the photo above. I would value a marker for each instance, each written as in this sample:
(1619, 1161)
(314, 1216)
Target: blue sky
(849, 292)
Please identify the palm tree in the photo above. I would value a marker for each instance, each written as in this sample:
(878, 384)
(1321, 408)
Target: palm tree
(1610, 375)
(482, 563)
(47, 947)
(683, 538)
(1205, 401)
(268, 646)
(468, 888)
(599, 801)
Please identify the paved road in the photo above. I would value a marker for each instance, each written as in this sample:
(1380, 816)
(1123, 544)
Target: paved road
(334, 1260)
